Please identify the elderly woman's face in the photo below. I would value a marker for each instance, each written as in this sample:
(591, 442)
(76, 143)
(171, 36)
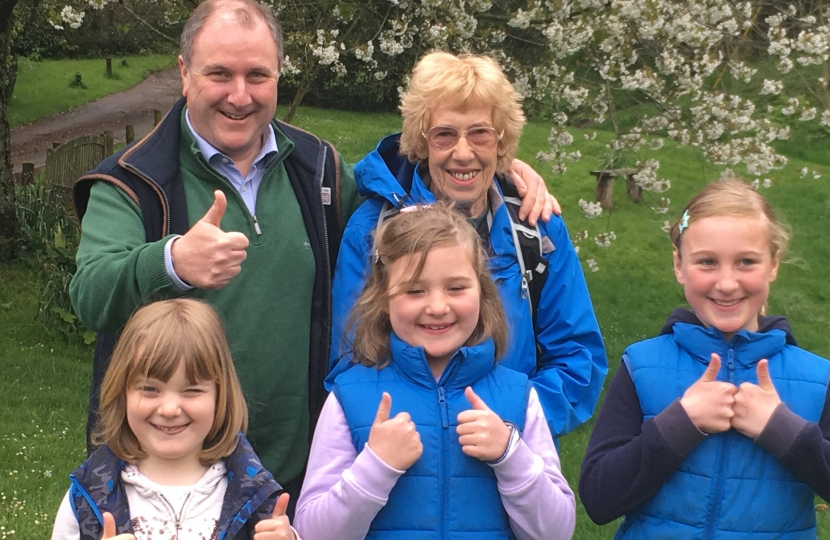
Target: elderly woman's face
(462, 158)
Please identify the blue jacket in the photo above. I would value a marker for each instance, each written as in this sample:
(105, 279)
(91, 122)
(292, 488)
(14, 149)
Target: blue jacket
(728, 487)
(445, 494)
(573, 364)
(96, 487)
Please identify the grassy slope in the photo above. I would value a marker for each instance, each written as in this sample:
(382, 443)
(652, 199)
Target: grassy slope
(633, 292)
(42, 88)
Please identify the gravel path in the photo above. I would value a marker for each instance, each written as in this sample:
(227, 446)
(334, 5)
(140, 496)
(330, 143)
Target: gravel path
(110, 113)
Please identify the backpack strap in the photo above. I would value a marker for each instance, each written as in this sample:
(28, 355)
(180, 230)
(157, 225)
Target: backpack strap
(527, 240)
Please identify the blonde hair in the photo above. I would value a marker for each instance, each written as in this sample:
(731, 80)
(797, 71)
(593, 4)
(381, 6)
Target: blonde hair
(419, 232)
(156, 339)
(450, 80)
(732, 198)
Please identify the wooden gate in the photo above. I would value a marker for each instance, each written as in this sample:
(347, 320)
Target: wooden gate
(68, 161)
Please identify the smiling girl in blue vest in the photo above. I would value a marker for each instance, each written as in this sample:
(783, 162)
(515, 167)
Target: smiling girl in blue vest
(173, 457)
(719, 428)
(429, 438)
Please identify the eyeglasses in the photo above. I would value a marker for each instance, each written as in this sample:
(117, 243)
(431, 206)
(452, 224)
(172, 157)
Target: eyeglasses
(445, 137)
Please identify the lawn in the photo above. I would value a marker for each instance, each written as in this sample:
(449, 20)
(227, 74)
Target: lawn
(42, 88)
(46, 383)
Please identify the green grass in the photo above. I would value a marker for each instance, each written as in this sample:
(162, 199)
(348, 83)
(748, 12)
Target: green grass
(42, 88)
(633, 292)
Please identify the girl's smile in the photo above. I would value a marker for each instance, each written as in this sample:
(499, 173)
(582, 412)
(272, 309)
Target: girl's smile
(439, 310)
(725, 265)
(171, 421)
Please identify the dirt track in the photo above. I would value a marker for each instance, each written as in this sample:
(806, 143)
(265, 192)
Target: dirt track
(110, 113)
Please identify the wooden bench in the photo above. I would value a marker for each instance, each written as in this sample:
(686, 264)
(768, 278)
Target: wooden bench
(605, 186)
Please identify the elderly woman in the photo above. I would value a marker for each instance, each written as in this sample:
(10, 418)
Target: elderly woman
(461, 125)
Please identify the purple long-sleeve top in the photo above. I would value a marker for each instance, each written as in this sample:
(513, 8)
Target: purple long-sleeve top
(344, 490)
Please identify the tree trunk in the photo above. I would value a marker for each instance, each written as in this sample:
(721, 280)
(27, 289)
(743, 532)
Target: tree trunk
(302, 90)
(8, 75)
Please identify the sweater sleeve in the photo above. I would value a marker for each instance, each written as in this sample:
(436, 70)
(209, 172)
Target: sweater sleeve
(628, 460)
(343, 491)
(536, 496)
(802, 447)
(573, 362)
(66, 525)
(118, 270)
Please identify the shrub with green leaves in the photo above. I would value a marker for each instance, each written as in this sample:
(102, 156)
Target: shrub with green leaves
(49, 239)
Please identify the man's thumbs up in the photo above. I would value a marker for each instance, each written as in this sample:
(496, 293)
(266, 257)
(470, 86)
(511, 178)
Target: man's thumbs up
(109, 529)
(383, 409)
(278, 527)
(207, 257)
(217, 210)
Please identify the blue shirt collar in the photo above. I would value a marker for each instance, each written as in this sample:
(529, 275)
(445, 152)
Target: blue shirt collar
(267, 153)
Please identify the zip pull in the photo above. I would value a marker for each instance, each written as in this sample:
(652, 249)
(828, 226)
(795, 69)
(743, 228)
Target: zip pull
(442, 401)
(525, 285)
(256, 225)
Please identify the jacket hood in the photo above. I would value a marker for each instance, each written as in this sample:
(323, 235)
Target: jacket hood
(467, 365)
(386, 173)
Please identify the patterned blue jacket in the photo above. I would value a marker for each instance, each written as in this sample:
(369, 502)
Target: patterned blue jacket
(96, 487)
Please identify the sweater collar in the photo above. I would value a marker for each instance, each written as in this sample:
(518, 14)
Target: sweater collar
(467, 365)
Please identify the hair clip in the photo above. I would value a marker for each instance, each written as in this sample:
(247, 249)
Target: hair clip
(414, 208)
(684, 223)
(376, 257)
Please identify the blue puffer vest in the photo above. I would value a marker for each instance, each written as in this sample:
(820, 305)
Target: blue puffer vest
(445, 494)
(728, 487)
(96, 487)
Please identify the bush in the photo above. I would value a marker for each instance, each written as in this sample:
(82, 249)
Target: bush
(49, 239)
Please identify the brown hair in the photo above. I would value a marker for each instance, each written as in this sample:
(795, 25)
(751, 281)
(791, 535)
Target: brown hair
(447, 79)
(418, 232)
(156, 339)
(732, 198)
(246, 12)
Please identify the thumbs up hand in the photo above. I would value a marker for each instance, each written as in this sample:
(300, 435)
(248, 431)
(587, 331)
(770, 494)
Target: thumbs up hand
(278, 527)
(755, 403)
(395, 441)
(708, 402)
(207, 257)
(109, 529)
(481, 433)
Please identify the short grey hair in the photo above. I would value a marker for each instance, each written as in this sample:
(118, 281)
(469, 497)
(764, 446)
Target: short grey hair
(247, 12)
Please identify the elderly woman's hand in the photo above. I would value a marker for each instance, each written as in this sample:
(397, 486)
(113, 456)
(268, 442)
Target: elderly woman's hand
(536, 201)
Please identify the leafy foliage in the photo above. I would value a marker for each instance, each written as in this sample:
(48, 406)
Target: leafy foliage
(49, 236)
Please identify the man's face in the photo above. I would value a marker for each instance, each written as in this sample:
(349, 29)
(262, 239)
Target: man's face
(231, 85)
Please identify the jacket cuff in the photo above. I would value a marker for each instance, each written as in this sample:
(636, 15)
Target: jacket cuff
(678, 430)
(780, 433)
(518, 468)
(151, 268)
(373, 476)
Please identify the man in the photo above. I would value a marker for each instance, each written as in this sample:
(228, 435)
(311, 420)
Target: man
(223, 203)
